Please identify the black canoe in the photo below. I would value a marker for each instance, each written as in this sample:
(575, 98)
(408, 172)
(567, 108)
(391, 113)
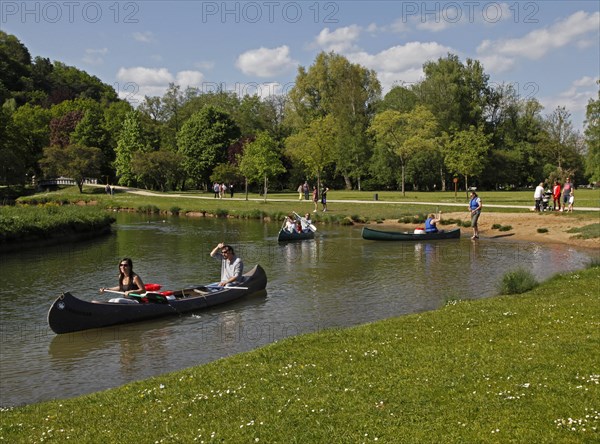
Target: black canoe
(285, 235)
(371, 234)
(68, 313)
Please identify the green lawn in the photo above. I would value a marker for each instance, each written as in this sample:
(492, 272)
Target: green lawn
(515, 369)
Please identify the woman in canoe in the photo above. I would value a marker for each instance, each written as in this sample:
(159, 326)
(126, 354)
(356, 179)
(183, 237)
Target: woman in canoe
(129, 282)
(431, 224)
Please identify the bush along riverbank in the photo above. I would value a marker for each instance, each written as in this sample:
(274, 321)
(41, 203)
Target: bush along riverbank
(519, 368)
(24, 226)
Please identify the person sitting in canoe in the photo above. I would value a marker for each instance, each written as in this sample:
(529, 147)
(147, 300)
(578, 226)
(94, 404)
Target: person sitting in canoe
(232, 266)
(431, 224)
(129, 282)
(306, 222)
(290, 226)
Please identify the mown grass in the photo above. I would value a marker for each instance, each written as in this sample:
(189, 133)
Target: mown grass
(506, 369)
(391, 204)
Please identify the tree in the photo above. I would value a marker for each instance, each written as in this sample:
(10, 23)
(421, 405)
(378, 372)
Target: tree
(157, 170)
(403, 134)
(261, 160)
(559, 140)
(203, 141)
(75, 161)
(12, 159)
(130, 141)
(313, 146)
(346, 91)
(456, 93)
(592, 139)
(465, 152)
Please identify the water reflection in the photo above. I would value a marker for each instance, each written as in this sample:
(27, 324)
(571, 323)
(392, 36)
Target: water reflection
(334, 280)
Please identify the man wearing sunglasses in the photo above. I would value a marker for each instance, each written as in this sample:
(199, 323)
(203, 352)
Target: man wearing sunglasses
(232, 266)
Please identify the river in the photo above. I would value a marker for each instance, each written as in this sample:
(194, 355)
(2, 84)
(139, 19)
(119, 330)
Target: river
(336, 280)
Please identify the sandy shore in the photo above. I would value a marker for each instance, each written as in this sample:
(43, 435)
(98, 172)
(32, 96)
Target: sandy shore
(525, 226)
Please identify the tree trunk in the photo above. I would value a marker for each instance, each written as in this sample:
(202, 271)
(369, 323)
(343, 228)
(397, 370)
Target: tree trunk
(403, 190)
(265, 187)
(246, 186)
(442, 179)
(348, 182)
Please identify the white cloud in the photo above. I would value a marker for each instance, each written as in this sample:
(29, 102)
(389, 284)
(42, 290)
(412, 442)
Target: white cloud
(497, 63)
(586, 81)
(266, 62)
(204, 65)
(144, 37)
(190, 78)
(575, 99)
(137, 82)
(402, 63)
(340, 40)
(145, 76)
(94, 56)
(539, 42)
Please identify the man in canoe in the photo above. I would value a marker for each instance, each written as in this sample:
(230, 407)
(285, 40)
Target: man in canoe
(232, 266)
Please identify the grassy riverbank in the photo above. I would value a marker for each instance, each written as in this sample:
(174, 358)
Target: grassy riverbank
(507, 369)
(20, 225)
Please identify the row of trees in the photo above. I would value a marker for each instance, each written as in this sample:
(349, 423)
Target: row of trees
(332, 126)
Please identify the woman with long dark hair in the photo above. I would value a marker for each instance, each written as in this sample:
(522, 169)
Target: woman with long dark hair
(129, 282)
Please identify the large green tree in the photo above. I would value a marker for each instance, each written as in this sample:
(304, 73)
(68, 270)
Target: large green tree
(261, 160)
(130, 141)
(346, 91)
(313, 147)
(456, 93)
(403, 134)
(465, 152)
(203, 141)
(75, 161)
(592, 139)
(157, 170)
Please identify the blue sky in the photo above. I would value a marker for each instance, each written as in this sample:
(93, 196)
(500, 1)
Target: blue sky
(546, 49)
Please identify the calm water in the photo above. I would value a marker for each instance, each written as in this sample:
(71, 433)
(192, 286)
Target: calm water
(336, 280)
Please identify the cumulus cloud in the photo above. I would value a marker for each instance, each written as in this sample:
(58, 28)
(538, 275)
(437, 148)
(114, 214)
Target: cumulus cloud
(540, 42)
(574, 98)
(400, 64)
(144, 37)
(189, 78)
(266, 62)
(340, 40)
(137, 82)
(94, 56)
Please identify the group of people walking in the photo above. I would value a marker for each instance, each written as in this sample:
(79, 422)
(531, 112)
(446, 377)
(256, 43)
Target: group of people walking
(220, 189)
(541, 196)
(304, 191)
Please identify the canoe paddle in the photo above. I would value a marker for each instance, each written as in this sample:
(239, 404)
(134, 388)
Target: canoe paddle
(311, 227)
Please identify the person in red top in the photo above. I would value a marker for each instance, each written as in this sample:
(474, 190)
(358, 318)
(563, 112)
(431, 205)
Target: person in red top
(556, 195)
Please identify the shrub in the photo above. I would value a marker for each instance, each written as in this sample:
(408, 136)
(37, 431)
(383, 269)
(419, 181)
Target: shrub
(175, 210)
(149, 209)
(347, 221)
(542, 230)
(505, 228)
(496, 226)
(517, 282)
(221, 212)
